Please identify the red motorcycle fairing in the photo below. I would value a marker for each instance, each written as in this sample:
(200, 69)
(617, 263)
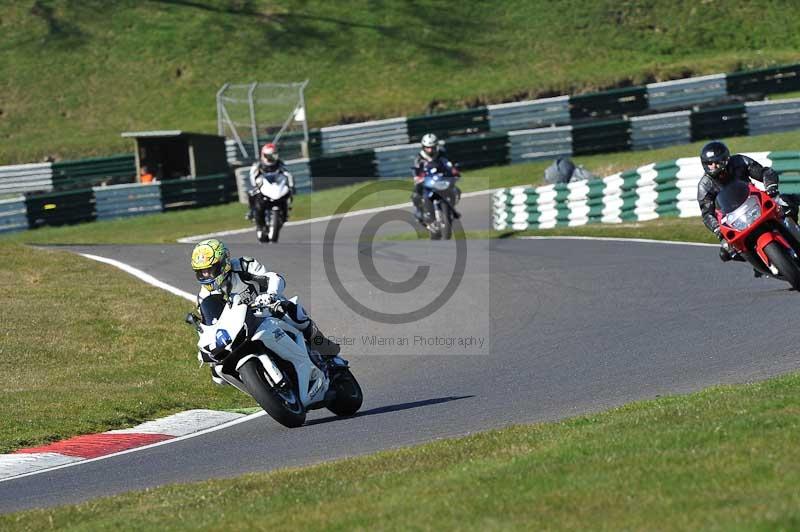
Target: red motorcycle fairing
(769, 211)
(765, 238)
(753, 239)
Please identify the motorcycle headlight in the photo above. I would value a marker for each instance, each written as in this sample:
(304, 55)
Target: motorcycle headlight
(441, 184)
(747, 213)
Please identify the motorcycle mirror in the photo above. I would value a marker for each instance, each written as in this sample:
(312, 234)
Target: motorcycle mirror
(191, 319)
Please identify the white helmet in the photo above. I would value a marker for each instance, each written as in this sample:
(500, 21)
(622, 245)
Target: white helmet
(430, 146)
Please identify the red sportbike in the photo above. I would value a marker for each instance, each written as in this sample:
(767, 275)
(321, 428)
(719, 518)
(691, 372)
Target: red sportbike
(756, 226)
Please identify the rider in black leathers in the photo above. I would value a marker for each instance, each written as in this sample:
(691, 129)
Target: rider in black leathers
(430, 154)
(720, 168)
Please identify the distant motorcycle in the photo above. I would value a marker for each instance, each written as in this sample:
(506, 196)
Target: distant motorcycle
(756, 226)
(439, 197)
(272, 203)
(268, 359)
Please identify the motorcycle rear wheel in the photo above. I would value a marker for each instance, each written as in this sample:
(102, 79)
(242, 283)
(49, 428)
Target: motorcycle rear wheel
(785, 265)
(285, 409)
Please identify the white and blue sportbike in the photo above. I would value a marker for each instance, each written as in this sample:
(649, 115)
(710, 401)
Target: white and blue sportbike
(439, 197)
(250, 347)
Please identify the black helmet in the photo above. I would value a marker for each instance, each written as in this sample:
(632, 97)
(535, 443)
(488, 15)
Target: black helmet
(715, 152)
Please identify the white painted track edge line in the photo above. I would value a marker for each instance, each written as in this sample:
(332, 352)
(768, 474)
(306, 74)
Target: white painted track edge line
(195, 238)
(620, 239)
(146, 277)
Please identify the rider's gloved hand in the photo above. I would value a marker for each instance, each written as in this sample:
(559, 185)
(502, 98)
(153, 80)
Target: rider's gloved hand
(772, 190)
(727, 247)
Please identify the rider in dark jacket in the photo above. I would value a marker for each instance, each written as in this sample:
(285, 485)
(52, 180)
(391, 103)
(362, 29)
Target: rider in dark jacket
(720, 168)
(429, 155)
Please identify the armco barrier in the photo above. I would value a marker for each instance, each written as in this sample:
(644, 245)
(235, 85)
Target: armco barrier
(601, 137)
(21, 178)
(490, 149)
(660, 189)
(96, 171)
(396, 161)
(452, 124)
(656, 131)
(719, 122)
(684, 93)
(518, 116)
(764, 81)
(540, 144)
(363, 135)
(119, 201)
(301, 172)
(616, 102)
(771, 117)
(59, 208)
(337, 170)
(198, 192)
(13, 215)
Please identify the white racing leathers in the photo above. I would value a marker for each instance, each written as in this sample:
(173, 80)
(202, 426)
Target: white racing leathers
(249, 274)
(270, 198)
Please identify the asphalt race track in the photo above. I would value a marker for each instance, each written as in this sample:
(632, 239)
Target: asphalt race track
(570, 326)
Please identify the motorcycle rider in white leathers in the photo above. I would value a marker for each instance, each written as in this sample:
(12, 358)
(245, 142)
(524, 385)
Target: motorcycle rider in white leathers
(217, 273)
(270, 163)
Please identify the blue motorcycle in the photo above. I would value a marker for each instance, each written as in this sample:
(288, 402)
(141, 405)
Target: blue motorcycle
(439, 197)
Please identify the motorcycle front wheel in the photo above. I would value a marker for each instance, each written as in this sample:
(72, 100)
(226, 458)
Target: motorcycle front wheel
(348, 394)
(275, 225)
(446, 222)
(785, 265)
(282, 405)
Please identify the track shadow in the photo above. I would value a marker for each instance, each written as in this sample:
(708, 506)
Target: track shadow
(393, 408)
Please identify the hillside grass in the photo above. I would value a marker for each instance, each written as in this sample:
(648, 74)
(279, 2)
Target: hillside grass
(725, 458)
(74, 75)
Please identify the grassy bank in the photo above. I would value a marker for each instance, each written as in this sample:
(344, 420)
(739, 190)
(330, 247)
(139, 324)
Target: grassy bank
(95, 348)
(77, 74)
(722, 459)
(168, 227)
(675, 229)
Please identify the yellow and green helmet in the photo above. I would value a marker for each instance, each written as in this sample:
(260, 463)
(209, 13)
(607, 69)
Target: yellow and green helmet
(211, 262)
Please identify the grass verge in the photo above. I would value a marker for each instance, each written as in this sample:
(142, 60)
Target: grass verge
(95, 349)
(725, 458)
(168, 227)
(678, 229)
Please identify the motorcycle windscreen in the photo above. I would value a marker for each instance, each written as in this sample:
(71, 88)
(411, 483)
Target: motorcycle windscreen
(732, 195)
(211, 308)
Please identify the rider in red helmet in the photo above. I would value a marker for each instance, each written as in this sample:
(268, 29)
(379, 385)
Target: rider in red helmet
(269, 163)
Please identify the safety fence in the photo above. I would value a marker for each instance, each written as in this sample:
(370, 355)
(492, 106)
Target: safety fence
(56, 208)
(95, 171)
(627, 102)
(13, 215)
(542, 143)
(471, 152)
(21, 178)
(66, 175)
(660, 189)
(598, 136)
